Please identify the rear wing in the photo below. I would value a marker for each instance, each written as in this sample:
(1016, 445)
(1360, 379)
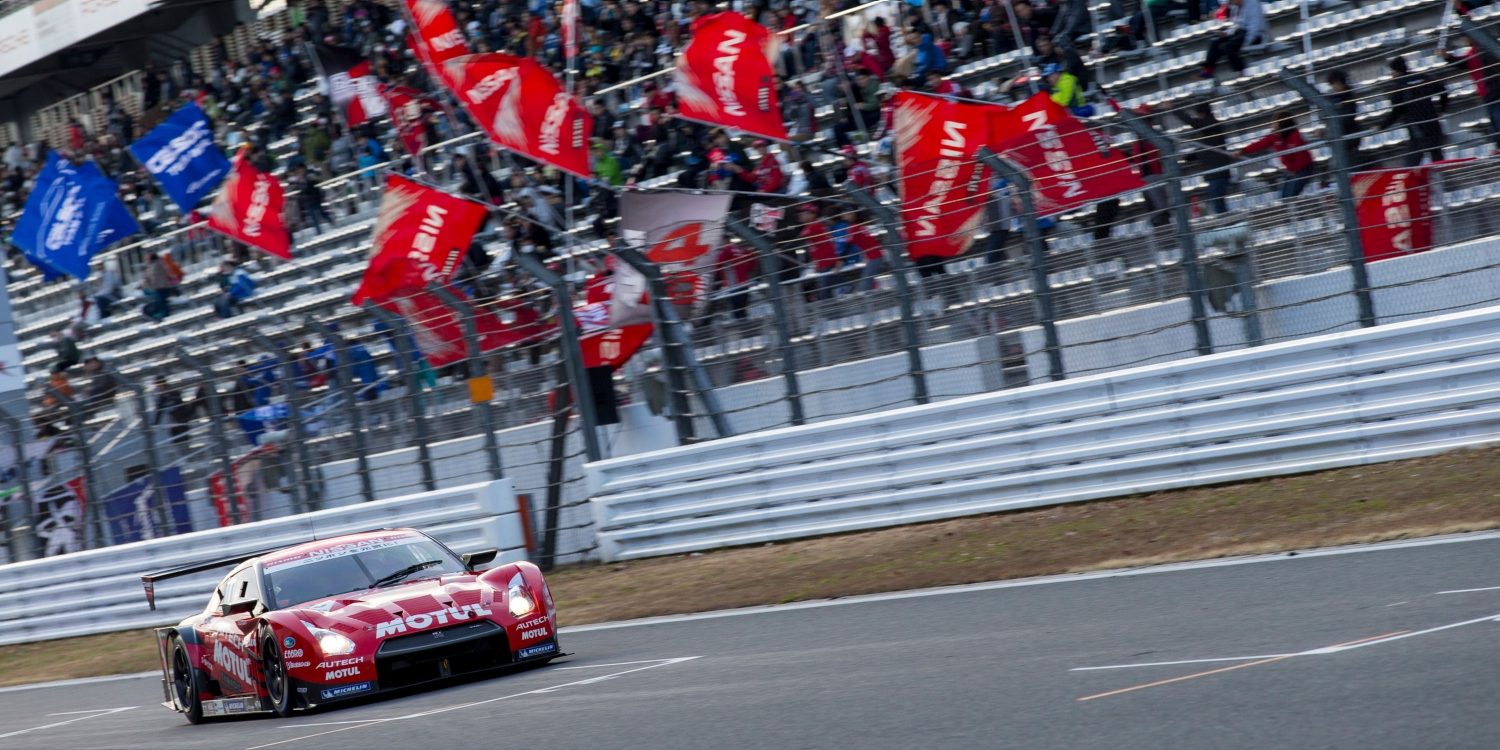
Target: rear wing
(148, 581)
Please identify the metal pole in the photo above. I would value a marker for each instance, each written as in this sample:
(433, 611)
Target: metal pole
(18, 549)
(402, 339)
(1479, 36)
(583, 393)
(148, 434)
(477, 369)
(766, 254)
(671, 330)
(215, 420)
(1184, 225)
(92, 501)
(895, 250)
(344, 380)
(1041, 287)
(305, 493)
(1334, 134)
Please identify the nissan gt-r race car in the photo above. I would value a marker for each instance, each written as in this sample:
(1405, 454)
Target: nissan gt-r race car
(349, 617)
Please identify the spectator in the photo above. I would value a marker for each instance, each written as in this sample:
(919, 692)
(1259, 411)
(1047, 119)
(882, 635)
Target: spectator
(1296, 160)
(821, 257)
(1484, 69)
(1419, 102)
(1247, 26)
(309, 198)
(160, 283)
(235, 285)
(735, 268)
(1071, 22)
(1147, 160)
(1212, 153)
(66, 345)
(856, 171)
(108, 290)
(1064, 89)
(102, 386)
(769, 176)
(171, 408)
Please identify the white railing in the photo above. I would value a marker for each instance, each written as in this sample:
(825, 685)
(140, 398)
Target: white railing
(1365, 396)
(99, 591)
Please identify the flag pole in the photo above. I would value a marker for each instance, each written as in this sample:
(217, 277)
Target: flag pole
(570, 56)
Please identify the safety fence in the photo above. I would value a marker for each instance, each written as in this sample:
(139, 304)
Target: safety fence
(99, 590)
(1380, 394)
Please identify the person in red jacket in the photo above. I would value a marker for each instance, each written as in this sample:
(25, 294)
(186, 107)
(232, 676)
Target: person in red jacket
(1287, 142)
(821, 255)
(858, 173)
(735, 265)
(768, 175)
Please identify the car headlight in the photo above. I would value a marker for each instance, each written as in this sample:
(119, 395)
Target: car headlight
(329, 642)
(521, 603)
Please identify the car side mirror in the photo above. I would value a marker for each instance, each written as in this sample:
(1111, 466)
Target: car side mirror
(238, 608)
(473, 560)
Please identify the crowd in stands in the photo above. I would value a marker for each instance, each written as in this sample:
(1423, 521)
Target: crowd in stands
(638, 135)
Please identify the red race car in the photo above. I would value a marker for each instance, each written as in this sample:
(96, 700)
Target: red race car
(348, 617)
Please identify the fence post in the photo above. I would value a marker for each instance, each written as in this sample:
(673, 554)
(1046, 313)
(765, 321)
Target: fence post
(343, 380)
(478, 368)
(1041, 287)
(215, 420)
(93, 501)
(1184, 224)
(306, 493)
(895, 251)
(401, 338)
(148, 435)
(670, 327)
(572, 353)
(1334, 136)
(19, 550)
(765, 253)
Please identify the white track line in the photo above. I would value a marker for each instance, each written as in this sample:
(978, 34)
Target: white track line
(1470, 591)
(79, 681)
(92, 715)
(420, 714)
(1309, 652)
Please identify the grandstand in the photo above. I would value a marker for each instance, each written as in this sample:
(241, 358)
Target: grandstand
(1098, 260)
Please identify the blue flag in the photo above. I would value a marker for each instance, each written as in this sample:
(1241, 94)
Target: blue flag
(71, 214)
(181, 155)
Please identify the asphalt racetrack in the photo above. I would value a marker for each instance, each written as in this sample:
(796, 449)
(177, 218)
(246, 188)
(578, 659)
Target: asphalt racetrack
(1395, 646)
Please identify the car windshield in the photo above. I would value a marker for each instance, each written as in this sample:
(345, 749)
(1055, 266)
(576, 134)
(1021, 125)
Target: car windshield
(357, 567)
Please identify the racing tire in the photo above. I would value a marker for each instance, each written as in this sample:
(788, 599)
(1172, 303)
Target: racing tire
(278, 682)
(184, 680)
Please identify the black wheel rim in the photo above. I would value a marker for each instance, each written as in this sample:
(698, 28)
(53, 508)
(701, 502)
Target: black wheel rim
(275, 675)
(182, 678)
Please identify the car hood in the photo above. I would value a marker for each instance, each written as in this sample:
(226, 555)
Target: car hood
(435, 602)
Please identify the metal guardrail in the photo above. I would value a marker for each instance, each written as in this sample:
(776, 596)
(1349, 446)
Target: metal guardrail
(98, 591)
(1377, 394)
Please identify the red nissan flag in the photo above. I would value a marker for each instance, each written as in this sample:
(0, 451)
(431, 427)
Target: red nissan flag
(346, 79)
(436, 38)
(524, 109)
(1394, 211)
(1067, 170)
(407, 114)
(942, 190)
(724, 76)
(439, 332)
(249, 208)
(420, 237)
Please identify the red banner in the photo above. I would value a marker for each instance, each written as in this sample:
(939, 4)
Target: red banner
(436, 38)
(407, 114)
(249, 208)
(524, 109)
(724, 76)
(420, 237)
(1393, 207)
(439, 332)
(1067, 170)
(942, 185)
(248, 487)
(615, 346)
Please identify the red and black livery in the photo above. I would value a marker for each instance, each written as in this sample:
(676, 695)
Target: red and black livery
(349, 617)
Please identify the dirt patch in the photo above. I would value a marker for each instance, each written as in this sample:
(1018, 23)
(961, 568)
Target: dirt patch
(1452, 492)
